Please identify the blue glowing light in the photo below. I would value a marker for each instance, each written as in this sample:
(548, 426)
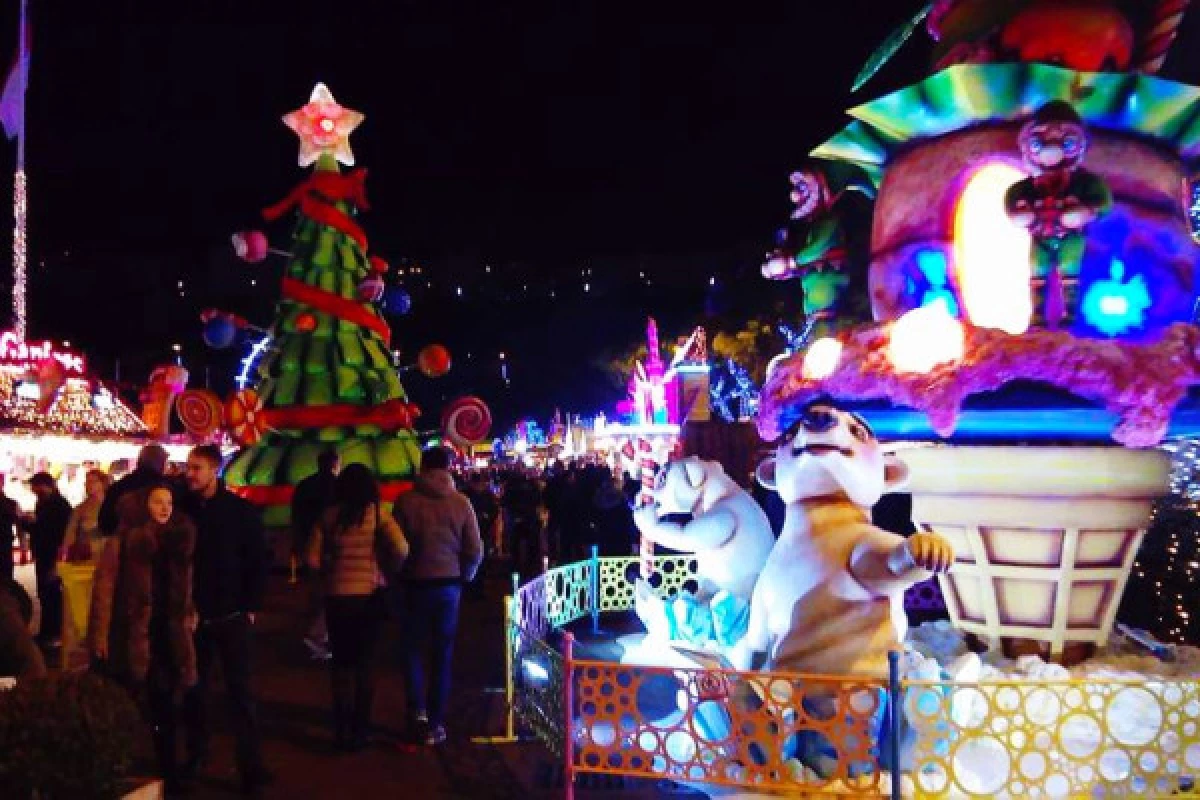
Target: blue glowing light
(1194, 211)
(1115, 306)
(251, 360)
(934, 267)
(1016, 424)
(733, 394)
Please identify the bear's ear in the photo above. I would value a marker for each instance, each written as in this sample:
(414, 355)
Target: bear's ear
(765, 474)
(895, 473)
(695, 471)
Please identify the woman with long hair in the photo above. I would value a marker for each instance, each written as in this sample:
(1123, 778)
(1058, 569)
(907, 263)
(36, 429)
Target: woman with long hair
(142, 617)
(355, 545)
(83, 529)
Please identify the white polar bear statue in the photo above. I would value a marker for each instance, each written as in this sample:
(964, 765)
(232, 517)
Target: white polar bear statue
(731, 538)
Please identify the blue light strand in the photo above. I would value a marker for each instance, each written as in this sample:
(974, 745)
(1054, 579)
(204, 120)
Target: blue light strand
(1194, 211)
(733, 393)
(251, 360)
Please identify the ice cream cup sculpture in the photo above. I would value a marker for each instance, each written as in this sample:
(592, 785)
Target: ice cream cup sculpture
(1045, 537)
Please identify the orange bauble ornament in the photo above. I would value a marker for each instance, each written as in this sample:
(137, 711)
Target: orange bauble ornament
(245, 418)
(306, 323)
(434, 361)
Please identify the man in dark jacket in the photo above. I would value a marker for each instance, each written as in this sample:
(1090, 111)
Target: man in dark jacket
(444, 551)
(46, 533)
(311, 497)
(151, 463)
(228, 583)
(9, 517)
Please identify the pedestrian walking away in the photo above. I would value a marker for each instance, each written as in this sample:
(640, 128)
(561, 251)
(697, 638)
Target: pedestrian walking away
(312, 496)
(354, 545)
(444, 551)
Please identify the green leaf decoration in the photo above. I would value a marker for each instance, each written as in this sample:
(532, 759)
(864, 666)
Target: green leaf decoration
(890, 47)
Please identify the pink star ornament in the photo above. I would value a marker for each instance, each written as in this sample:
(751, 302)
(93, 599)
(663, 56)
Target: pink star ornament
(323, 127)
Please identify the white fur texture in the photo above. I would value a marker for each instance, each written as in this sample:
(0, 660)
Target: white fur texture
(728, 532)
(829, 600)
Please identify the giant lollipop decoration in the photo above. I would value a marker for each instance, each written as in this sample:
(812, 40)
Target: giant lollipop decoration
(200, 411)
(433, 361)
(466, 421)
(245, 418)
(253, 247)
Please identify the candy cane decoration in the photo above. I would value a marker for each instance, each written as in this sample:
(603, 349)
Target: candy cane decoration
(649, 468)
(1157, 40)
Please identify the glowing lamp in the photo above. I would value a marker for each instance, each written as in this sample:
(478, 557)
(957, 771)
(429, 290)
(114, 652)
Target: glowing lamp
(822, 358)
(1111, 305)
(991, 253)
(1115, 306)
(925, 338)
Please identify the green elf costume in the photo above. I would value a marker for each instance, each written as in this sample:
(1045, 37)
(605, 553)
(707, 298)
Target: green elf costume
(814, 246)
(1055, 205)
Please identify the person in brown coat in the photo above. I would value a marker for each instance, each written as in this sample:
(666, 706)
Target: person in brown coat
(355, 545)
(142, 618)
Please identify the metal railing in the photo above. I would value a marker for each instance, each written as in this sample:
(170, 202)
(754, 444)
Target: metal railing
(829, 735)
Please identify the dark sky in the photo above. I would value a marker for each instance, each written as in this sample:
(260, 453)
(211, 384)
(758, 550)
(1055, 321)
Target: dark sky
(542, 139)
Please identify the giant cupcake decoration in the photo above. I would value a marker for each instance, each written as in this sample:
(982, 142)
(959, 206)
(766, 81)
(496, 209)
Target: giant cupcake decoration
(1030, 273)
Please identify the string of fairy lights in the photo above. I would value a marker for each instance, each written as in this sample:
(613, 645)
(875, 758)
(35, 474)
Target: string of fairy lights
(1175, 522)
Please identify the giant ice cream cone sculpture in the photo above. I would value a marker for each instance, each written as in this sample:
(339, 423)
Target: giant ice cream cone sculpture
(1032, 276)
(1044, 536)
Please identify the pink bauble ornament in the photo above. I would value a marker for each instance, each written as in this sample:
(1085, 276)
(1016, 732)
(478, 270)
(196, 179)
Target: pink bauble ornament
(371, 289)
(250, 246)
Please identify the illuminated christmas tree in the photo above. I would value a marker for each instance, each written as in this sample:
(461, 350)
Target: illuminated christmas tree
(328, 380)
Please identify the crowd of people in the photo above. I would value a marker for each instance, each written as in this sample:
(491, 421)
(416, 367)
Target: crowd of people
(555, 515)
(181, 567)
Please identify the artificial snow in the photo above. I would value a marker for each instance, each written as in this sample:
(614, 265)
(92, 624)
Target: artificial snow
(1015, 729)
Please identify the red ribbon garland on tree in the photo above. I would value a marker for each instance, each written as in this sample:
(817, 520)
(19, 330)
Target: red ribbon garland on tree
(282, 495)
(392, 415)
(316, 196)
(336, 305)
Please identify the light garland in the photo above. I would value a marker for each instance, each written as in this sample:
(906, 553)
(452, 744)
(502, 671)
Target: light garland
(20, 252)
(733, 393)
(74, 411)
(251, 360)
(1194, 210)
(1169, 575)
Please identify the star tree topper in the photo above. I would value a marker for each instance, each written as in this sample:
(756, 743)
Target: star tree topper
(323, 127)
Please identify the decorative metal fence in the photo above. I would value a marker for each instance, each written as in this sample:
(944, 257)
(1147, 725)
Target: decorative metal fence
(830, 736)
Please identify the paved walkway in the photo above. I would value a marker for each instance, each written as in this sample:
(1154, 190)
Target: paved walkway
(294, 702)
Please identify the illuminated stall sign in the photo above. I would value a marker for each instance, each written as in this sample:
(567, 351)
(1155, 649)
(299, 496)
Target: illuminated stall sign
(19, 355)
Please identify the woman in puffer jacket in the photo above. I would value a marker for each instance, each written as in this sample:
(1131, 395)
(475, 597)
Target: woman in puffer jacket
(142, 618)
(354, 545)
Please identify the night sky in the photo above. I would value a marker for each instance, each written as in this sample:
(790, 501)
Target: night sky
(617, 137)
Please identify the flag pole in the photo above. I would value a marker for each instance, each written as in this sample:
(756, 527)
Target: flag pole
(20, 189)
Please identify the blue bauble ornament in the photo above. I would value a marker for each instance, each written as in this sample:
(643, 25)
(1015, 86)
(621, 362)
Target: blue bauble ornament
(219, 332)
(397, 301)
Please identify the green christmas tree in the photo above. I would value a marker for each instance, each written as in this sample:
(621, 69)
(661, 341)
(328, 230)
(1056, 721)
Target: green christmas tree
(328, 379)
